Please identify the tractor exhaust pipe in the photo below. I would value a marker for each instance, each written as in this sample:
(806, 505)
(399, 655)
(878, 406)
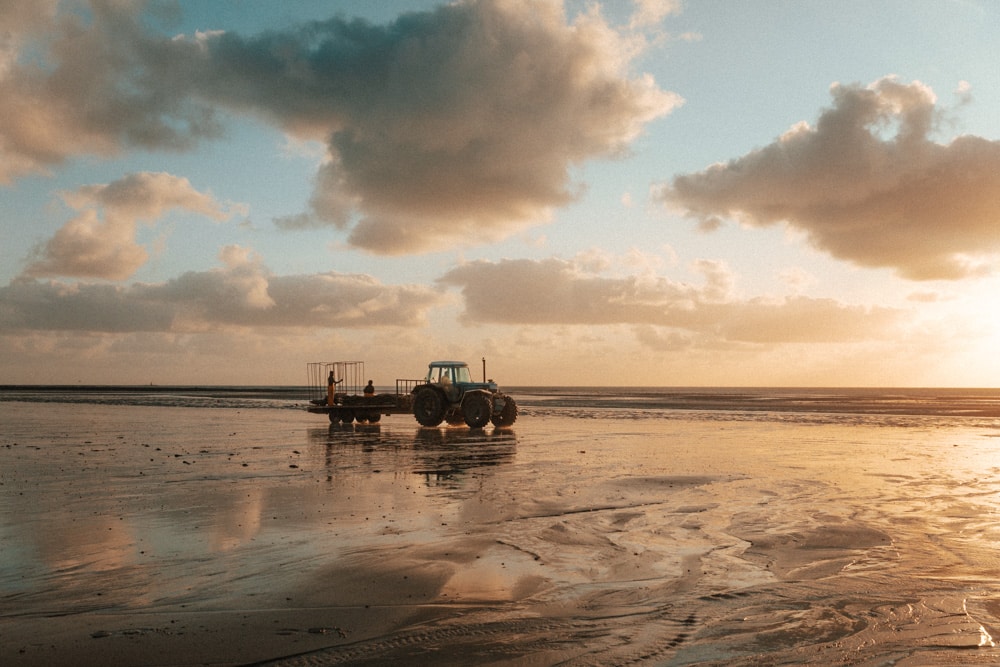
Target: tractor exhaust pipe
(484, 369)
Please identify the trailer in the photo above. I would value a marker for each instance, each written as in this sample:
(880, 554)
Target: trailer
(337, 389)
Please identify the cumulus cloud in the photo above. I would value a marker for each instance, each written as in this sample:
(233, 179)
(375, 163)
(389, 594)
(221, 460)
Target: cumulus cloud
(83, 81)
(99, 242)
(557, 291)
(866, 184)
(459, 124)
(241, 293)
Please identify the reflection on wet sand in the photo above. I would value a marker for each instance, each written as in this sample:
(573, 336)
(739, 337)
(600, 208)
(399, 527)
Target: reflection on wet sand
(440, 455)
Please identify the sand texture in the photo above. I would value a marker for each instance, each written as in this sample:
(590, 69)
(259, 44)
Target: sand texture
(194, 536)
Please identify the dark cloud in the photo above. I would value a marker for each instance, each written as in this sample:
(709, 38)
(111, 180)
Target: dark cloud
(457, 125)
(243, 293)
(556, 291)
(867, 184)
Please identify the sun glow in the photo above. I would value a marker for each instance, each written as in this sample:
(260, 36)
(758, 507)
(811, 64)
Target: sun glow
(970, 338)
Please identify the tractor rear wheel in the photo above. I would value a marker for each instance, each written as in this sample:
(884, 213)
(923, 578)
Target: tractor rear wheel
(477, 408)
(428, 407)
(508, 415)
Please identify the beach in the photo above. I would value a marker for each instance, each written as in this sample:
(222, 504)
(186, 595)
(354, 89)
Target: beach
(171, 535)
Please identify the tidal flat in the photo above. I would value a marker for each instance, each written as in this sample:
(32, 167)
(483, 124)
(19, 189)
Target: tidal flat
(152, 535)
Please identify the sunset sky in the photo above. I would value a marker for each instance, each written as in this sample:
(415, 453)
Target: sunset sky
(585, 193)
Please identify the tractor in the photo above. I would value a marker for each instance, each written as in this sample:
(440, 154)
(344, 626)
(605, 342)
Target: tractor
(449, 394)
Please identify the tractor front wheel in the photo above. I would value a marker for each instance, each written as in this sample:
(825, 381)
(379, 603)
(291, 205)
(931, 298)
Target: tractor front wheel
(428, 407)
(477, 408)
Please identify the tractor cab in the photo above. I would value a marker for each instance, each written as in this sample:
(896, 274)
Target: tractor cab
(449, 371)
(455, 374)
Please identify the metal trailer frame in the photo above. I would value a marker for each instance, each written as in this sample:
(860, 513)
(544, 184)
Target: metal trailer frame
(348, 378)
(346, 401)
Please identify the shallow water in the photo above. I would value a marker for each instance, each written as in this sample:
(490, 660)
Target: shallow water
(585, 535)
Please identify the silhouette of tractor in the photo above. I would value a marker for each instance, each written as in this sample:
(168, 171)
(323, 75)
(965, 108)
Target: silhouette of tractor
(449, 394)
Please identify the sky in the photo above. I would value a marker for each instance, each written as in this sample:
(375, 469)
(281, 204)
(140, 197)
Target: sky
(647, 193)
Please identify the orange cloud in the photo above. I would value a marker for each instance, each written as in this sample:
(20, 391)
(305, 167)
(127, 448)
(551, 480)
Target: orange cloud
(242, 293)
(100, 241)
(556, 291)
(867, 185)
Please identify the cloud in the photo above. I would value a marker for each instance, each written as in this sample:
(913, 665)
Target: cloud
(651, 12)
(29, 305)
(458, 125)
(18, 21)
(454, 126)
(99, 242)
(556, 291)
(866, 184)
(241, 293)
(244, 293)
(82, 81)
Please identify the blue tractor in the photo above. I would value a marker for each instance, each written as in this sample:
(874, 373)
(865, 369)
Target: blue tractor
(449, 394)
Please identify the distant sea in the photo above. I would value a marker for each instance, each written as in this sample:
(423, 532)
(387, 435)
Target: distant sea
(888, 406)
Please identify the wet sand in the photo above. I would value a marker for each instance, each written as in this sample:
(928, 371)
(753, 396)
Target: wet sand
(190, 536)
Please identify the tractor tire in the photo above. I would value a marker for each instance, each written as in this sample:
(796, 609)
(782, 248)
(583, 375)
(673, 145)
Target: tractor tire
(477, 408)
(428, 407)
(508, 415)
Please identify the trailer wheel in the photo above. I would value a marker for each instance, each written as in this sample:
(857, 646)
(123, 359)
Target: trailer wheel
(347, 417)
(428, 407)
(334, 417)
(477, 408)
(374, 417)
(508, 415)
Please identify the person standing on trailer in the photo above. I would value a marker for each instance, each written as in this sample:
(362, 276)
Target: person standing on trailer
(331, 383)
